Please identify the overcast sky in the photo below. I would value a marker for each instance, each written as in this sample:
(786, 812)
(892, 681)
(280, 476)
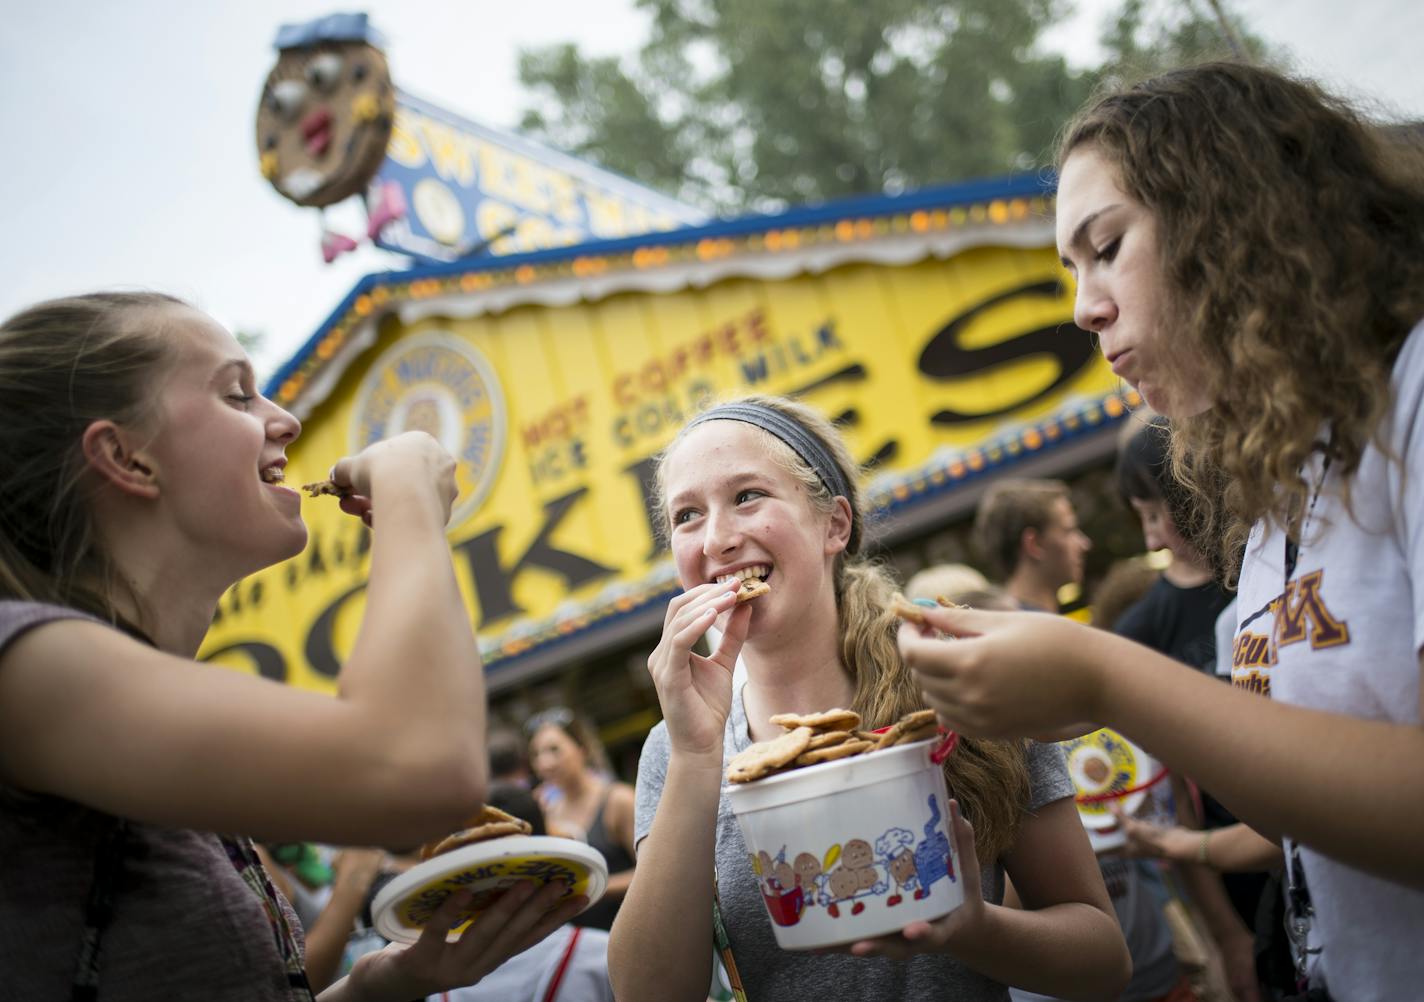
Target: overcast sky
(130, 158)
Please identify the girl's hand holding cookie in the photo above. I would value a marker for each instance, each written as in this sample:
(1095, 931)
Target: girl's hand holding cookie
(412, 457)
(960, 925)
(1007, 674)
(695, 691)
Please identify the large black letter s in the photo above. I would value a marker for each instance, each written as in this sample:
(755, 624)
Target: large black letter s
(943, 358)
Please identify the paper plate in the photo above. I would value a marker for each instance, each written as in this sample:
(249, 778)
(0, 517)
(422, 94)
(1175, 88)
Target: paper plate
(1104, 764)
(1106, 839)
(405, 905)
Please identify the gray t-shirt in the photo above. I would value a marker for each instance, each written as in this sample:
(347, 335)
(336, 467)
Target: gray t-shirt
(770, 974)
(193, 913)
(1138, 897)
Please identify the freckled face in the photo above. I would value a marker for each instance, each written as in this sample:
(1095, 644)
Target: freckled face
(1108, 240)
(731, 506)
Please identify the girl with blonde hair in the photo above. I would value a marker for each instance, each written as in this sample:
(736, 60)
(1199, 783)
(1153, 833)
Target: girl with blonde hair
(766, 487)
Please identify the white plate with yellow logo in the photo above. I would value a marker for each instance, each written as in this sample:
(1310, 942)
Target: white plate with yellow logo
(404, 906)
(1107, 768)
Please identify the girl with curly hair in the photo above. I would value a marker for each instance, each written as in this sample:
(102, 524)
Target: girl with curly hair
(1250, 255)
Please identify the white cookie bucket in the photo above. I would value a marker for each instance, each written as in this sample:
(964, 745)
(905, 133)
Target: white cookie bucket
(851, 849)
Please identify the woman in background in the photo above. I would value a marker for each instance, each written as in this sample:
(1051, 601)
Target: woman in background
(580, 799)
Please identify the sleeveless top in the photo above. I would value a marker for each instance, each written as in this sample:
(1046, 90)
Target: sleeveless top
(191, 914)
(601, 915)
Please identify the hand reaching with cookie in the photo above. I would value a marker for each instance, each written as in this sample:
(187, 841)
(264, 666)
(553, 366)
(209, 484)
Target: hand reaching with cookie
(1008, 674)
(409, 461)
(696, 691)
(941, 935)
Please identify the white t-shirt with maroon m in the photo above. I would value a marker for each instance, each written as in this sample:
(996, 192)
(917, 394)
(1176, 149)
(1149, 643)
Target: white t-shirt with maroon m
(1344, 634)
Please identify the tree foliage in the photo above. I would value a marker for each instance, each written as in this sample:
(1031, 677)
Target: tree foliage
(753, 104)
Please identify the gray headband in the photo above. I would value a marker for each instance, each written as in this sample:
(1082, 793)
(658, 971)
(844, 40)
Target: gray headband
(810, 448)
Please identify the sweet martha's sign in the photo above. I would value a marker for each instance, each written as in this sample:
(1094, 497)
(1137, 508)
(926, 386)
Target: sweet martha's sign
(556, 409)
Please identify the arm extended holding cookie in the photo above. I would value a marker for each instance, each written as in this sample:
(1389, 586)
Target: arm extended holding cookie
(413, 679)
(668, 911)
(396, 759)
(1012, 673)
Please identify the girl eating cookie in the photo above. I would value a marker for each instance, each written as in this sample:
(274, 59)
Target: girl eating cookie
(141, 475)
(765, 488)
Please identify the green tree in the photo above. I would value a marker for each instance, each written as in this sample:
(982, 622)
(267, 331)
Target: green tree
(1145, 38)
(251, 341)
(754, 104)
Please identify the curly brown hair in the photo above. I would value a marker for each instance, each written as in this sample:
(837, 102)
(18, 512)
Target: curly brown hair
(1292, 251)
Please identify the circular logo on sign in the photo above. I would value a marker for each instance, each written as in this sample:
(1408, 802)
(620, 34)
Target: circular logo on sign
(440, 384)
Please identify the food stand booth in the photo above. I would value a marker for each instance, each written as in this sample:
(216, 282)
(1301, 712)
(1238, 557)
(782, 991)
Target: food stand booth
(555, 360)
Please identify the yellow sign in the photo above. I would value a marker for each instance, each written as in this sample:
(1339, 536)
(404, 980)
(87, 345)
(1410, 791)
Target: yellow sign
(556, 412)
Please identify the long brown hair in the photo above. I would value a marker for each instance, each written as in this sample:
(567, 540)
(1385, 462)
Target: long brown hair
(1292, 251)
(989, 778)
(64, 364)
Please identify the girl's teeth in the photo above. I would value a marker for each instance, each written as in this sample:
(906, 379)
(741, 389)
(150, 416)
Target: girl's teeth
(746, 574)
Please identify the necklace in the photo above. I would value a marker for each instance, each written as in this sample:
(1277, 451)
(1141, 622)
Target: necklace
(1293, 540)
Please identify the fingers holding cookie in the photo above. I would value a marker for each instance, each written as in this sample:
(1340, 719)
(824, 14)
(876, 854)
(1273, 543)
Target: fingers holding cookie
(904, 608)
(695, 692)
(691, 614)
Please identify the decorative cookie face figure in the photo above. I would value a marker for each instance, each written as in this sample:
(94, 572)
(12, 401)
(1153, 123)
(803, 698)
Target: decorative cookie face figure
(808, 868)
(855, 877)
(897, 847)
(326, 111)
(785, 876)
(857, 854)
(844, 884)
(768, 865)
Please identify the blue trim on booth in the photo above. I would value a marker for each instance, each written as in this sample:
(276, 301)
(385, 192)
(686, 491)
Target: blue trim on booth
(860, 206)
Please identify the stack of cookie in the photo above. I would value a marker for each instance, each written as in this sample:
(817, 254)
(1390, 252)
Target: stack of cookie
(812, 738)
(489, 823)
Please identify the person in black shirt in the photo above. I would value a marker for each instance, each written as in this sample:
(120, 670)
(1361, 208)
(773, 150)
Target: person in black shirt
(1178, 617)
(1178, 614)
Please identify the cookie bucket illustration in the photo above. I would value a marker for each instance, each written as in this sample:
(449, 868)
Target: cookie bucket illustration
(852, 848)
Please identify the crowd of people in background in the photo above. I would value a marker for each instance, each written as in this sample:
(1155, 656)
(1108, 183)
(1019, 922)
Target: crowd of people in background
(1250, 257)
